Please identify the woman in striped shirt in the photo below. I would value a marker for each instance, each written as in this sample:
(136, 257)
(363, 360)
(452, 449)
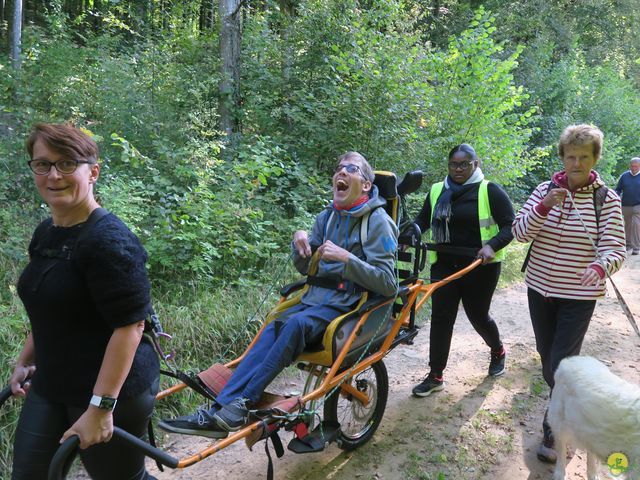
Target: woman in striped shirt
(578, 238)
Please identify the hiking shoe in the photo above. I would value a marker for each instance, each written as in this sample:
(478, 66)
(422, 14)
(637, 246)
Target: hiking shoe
(546, 451)
(199, 423)
(428, 386)
(233, 415)
(496, 366)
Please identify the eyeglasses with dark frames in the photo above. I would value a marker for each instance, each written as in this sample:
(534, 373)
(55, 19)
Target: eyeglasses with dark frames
(464, 165)
(66, 167)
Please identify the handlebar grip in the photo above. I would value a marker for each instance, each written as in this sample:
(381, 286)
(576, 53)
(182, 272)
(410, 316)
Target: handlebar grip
(5, 394)
(70, 445)
(65, 452)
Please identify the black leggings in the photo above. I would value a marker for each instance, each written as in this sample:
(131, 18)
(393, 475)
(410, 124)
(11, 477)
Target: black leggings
(475, 289)
(42, 424)
(560, 325)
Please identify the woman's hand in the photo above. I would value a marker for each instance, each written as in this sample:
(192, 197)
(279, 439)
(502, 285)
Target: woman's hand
(554, 197)
(301, 243)
(590, 277)
(19, 379)
(94, 426)
(330, 251)
(487, 254)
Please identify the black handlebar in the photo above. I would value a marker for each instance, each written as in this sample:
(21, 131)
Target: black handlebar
(5, 394)
(70, 445)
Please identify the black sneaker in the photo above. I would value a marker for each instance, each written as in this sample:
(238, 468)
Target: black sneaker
(428, 386)
(233, 415)
(635, 251)
(496, 366)
(199, 423)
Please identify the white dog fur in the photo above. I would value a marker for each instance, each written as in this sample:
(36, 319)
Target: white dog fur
(593, 409)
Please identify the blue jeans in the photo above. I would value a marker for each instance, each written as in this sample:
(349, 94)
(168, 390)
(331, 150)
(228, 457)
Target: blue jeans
(278, 346)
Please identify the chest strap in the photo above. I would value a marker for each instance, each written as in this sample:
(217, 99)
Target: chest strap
(334, 284)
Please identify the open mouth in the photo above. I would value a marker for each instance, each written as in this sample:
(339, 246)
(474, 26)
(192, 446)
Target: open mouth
(342, 186)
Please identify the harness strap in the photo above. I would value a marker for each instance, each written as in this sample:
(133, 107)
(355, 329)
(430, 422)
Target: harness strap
(277, 446)
(334, 284)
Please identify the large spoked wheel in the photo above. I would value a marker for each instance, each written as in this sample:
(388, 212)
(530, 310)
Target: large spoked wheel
(358, 422)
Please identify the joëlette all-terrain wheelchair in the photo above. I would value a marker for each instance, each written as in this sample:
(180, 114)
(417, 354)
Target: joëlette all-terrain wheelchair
(346, 387)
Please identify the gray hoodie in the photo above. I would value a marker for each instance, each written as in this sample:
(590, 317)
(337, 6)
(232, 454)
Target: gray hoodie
(371, 265)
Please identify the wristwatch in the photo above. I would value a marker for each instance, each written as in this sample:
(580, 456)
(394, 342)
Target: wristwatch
(103, 403)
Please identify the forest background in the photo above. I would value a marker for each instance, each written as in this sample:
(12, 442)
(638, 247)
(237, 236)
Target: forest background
(219, 123)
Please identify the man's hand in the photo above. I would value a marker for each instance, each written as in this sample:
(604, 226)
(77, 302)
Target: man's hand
(487, 254)
(94, 426)
(301, 243)
(18, 381)
(590, 277)
(554, 197)
(330, 251)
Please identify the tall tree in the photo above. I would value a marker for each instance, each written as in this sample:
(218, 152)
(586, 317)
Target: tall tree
(16, 34)
(230, 38)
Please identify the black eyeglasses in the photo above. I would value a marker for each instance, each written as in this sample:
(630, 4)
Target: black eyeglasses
(66, 167)
(349, 167)
(464, 165)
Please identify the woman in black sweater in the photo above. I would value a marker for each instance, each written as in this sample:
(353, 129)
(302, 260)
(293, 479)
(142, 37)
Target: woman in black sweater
(83, 367)
(464, 211)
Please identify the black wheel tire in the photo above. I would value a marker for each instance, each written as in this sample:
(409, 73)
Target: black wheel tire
(357, 422)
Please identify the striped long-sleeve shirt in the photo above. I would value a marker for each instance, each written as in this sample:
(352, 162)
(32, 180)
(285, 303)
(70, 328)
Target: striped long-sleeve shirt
(562, 250)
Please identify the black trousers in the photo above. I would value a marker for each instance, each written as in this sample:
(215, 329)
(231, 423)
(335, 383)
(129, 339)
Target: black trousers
(559, 325)
(475, 290)
(42, 424)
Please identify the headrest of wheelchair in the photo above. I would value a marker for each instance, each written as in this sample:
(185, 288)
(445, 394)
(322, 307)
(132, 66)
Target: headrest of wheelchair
(386, 183)
(410, 183)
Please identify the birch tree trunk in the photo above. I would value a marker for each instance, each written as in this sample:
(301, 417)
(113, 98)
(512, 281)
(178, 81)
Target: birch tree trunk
(230, 38)
(16, 34)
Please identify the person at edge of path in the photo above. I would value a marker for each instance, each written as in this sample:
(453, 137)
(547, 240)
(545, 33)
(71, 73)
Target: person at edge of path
(565, 275)
(629, 190)
(89, 368)
(368, 265)
(464, 210)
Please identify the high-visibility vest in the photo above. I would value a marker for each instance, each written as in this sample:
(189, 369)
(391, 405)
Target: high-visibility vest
(488, 226)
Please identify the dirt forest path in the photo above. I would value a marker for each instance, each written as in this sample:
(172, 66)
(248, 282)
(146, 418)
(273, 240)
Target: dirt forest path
(477, 428)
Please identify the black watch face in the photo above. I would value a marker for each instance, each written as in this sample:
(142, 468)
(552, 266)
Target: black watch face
(107, 403)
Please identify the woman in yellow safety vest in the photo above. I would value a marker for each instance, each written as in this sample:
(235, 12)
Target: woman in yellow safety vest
(470, 217)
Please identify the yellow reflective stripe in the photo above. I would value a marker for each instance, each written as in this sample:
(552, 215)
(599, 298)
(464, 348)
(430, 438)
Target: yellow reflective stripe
(434, 194)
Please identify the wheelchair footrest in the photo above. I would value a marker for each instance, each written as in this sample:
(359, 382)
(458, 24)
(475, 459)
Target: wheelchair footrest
(316, 440)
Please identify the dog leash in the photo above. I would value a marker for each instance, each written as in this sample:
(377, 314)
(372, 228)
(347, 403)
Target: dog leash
(621, 301)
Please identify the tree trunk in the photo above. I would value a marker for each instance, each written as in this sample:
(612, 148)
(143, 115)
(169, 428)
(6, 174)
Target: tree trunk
(16, 34)
(230, 38)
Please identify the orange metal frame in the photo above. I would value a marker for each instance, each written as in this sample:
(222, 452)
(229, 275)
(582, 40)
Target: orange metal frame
(417, 295)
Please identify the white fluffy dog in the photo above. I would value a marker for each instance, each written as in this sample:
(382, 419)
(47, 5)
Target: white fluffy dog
(593, 409)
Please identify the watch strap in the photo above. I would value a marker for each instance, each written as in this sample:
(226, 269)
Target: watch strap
(104, 402)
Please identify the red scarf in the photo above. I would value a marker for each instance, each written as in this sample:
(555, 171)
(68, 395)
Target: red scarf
(357, 203)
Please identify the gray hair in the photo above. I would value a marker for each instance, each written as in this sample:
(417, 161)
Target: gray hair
(635, 160)
(367, 171)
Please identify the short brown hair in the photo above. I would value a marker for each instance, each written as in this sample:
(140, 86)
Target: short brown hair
(65, 139)
(367, 171)
(582, 134)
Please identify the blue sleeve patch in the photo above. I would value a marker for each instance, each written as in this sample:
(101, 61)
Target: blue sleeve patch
(389, 244)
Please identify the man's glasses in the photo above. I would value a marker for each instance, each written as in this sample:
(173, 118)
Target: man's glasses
(460, 165)
(349, 167)
(43, 167)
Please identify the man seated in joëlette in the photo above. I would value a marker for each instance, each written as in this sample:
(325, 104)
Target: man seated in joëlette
(346, 260)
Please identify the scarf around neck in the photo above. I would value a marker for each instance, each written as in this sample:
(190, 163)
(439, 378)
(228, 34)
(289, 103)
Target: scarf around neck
(442, 208)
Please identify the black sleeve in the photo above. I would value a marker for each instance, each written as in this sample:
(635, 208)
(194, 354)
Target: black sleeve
(114, 268)
(423, 220)
(502, 212)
